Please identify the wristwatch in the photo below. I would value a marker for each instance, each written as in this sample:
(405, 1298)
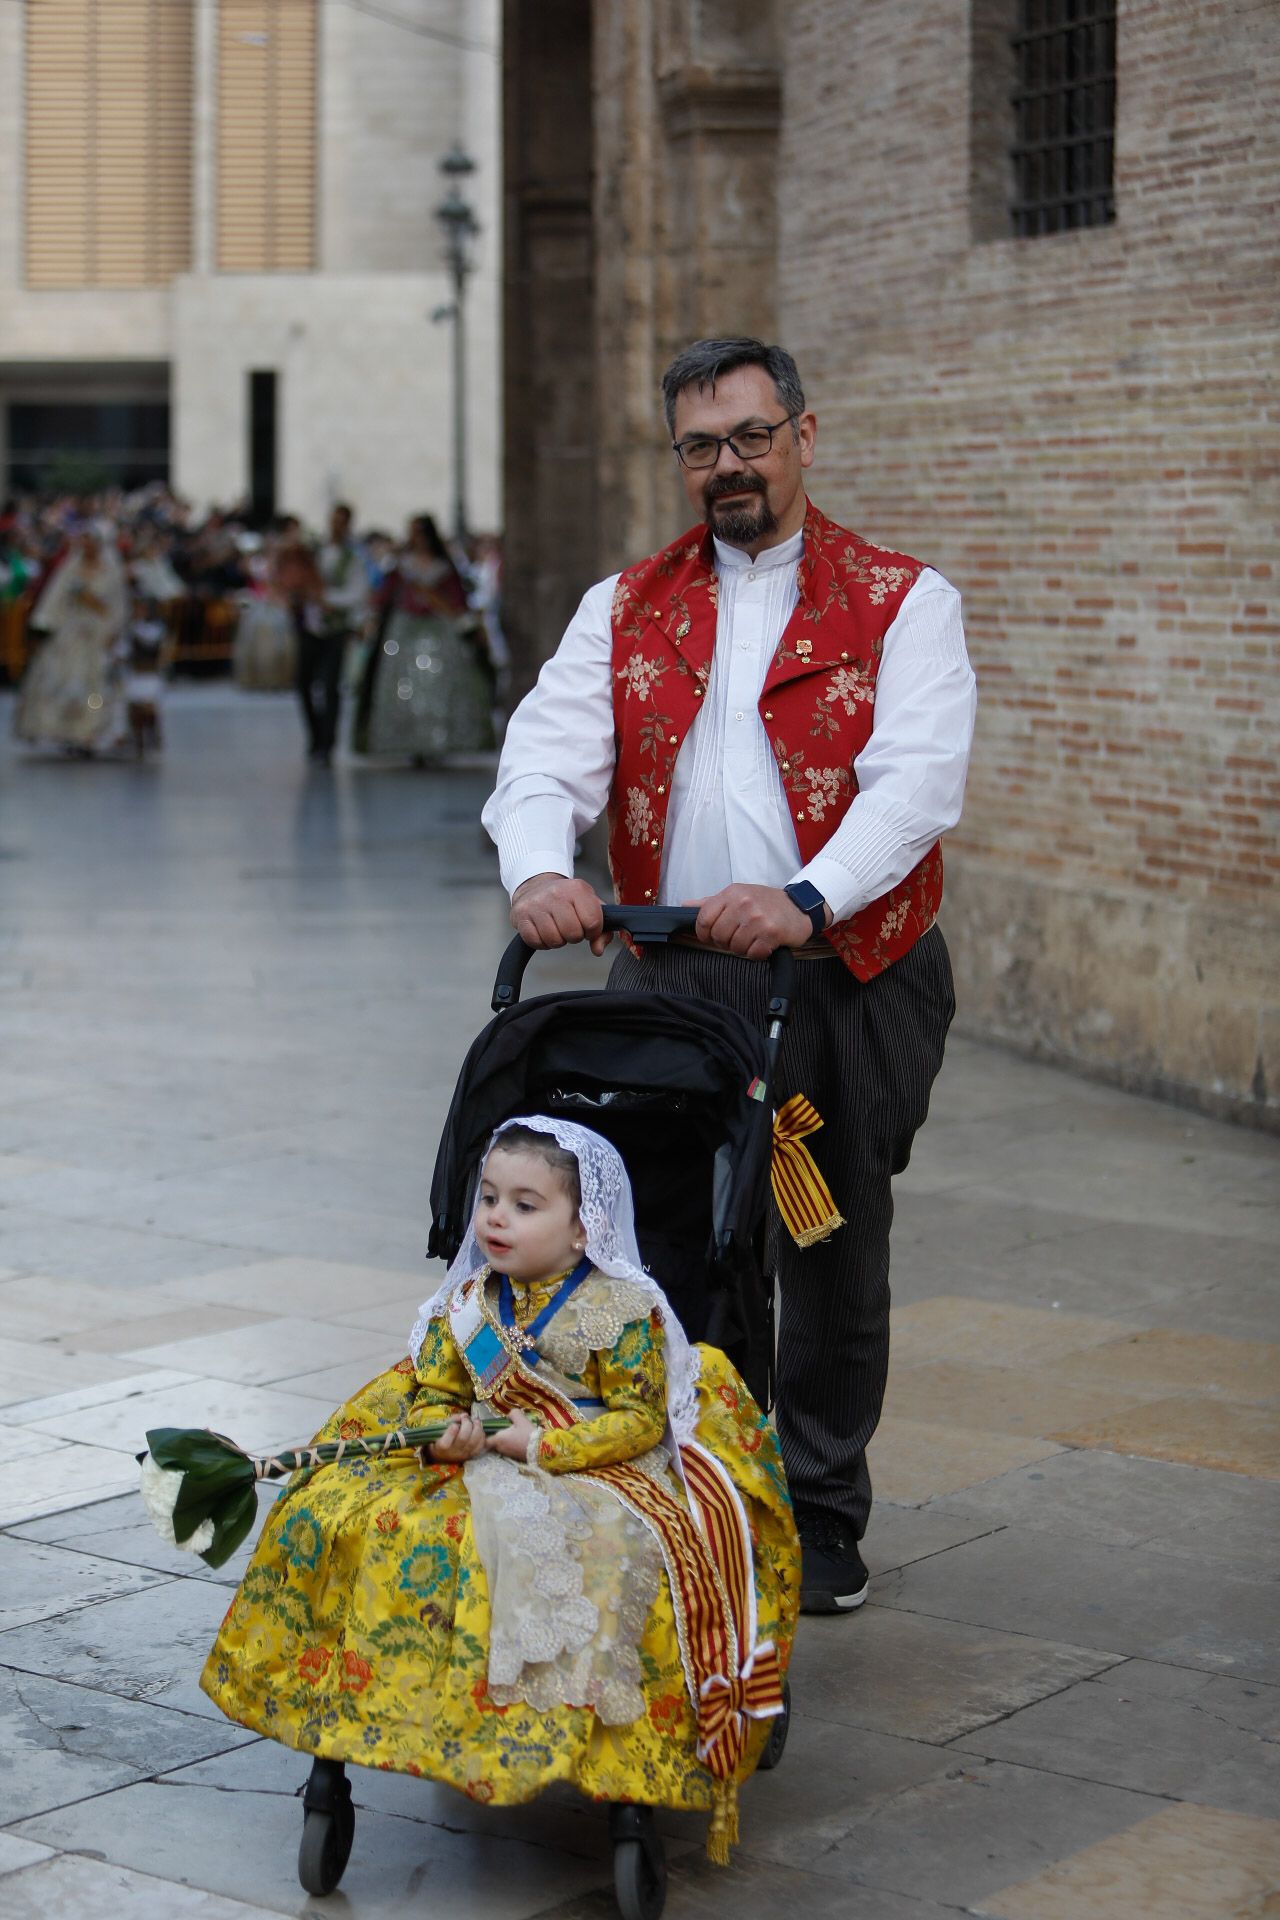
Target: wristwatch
(803, 894)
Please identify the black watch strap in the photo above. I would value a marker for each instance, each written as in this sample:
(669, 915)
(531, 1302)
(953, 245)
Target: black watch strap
(803, 894)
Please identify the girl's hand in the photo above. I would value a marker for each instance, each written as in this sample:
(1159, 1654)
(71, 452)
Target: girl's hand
(513, 1440)
(462, 1439)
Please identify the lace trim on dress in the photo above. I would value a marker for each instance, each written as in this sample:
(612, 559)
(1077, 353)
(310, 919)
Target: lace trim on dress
(592, 1322)
(572, 1576)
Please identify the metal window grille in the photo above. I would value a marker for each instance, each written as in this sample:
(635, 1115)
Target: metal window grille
(1065, 111)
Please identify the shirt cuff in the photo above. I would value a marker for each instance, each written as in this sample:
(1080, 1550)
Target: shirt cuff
(531, 1451)
(518, 861)
(836, 885)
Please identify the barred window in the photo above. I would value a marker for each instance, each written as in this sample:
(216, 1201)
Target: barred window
(108, 119)
(1065, 108)
(266, 128)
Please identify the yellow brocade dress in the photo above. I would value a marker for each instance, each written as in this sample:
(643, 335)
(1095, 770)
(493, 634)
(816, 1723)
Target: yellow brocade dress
(363, 1629)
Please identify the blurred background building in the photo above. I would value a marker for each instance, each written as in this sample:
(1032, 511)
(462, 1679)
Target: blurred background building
(219, 251)
(1027, 258)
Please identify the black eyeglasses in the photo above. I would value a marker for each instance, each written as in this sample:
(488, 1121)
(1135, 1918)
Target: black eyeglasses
(749, 443)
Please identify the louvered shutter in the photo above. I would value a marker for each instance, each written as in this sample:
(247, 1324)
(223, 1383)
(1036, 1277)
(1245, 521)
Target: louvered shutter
(266, 135)
(108, 142)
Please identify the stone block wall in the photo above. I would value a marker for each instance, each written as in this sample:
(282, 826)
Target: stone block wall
(1080, 431)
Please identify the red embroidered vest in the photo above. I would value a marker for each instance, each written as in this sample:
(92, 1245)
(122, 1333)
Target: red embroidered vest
(816, 707)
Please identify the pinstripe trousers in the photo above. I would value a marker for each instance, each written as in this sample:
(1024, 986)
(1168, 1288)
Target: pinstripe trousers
(866, 1054)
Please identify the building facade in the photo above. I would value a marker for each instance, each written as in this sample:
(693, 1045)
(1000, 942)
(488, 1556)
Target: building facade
(219, 261)
(1032, 289)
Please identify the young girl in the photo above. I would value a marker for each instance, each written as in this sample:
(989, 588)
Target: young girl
(604, 1592)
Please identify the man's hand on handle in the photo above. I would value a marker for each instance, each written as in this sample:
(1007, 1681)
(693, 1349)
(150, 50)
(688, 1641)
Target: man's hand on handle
(751, 921)
(551, 911)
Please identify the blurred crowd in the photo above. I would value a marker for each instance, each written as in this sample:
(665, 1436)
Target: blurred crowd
(100, 599)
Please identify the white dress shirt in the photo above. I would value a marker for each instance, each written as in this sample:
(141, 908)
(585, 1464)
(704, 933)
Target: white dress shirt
(728, 818)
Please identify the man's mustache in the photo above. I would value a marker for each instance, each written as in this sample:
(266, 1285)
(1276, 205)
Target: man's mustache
(730, 483)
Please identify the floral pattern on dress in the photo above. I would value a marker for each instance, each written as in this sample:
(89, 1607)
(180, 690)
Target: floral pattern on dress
(376, 1651)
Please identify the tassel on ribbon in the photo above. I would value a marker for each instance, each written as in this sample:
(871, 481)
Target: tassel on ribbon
(722, 1834)
(803, 1196)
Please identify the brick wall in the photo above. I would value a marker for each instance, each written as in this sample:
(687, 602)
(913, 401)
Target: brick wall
(1081, 431)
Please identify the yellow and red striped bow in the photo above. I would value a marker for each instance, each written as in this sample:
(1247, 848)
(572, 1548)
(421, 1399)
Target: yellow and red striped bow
(725, 1704)
(803, 1196)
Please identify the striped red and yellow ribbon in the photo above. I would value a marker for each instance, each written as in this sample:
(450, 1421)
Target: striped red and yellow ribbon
(803, 1196)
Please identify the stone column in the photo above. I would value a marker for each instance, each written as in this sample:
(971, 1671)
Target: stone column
(548, 398)
(687, 104)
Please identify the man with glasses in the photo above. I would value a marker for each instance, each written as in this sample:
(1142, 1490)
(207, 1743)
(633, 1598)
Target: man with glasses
(777, 716)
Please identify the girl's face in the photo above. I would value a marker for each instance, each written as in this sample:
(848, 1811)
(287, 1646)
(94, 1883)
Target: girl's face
(526, 1222)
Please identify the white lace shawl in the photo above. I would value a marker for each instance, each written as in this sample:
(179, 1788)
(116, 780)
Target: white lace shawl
(608, 1214)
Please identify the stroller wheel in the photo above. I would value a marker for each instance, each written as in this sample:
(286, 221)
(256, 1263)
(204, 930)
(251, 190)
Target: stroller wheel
(639, 1864)
(777, 1733)
(328, 1828)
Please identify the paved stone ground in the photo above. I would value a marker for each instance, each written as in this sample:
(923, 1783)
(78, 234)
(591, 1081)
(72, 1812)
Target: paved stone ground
(235, 995)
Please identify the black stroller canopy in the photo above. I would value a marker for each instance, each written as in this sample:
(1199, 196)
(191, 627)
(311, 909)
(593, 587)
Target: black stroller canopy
(665, 1079)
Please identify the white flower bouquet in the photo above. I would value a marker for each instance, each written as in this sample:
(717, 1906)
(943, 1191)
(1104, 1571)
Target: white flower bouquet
(201, 1490)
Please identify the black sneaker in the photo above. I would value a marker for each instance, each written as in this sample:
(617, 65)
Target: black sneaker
(832, 1576)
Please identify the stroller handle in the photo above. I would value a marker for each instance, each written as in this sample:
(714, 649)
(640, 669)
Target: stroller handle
(653, 927)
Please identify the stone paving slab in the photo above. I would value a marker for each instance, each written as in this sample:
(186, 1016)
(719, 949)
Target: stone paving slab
(120, 1530)
(68, 1313)
(70, 1889)
(256, 1416)
(1197, 1431)
(1124, 1501)
(1191, 1736)
(16, 1854)
(59, 1476)
(319, 1286)
(39, 1581)
(1118, 1599)
(150, 1646)
(984, 1824)
(1037, 1402)
(268, 1351)
(925, 1679)
(912, 1460)
(756, 1889)
(1182, 1863)
(62, 1743)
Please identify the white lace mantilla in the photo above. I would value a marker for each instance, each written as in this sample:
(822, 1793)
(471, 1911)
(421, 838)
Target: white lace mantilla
(608, 1214)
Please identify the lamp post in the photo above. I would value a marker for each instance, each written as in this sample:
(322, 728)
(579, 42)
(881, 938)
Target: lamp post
(459, 226)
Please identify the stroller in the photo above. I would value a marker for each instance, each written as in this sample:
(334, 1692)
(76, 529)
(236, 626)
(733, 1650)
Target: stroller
(681, 1089)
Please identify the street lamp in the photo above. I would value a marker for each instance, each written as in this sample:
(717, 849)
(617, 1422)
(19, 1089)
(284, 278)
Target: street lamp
(459, 226)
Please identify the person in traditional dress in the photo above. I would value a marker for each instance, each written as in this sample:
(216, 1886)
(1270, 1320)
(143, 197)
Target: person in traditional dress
(147, 651)
(71, 694)
(427, 689)
(544, 1604)
(777, 715)
(322, 641)
(265, 657)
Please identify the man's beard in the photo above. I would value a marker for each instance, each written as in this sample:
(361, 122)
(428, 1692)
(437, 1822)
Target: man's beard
(745, 522)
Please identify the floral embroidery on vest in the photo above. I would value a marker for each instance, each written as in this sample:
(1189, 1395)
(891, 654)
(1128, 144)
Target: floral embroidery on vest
(819, 692)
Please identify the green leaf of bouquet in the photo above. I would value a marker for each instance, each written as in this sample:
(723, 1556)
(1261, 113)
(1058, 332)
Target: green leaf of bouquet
(232, 1523)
